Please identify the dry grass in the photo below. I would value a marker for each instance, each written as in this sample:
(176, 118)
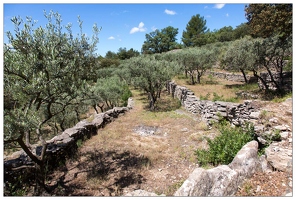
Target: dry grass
(118, 159)
(221, 87)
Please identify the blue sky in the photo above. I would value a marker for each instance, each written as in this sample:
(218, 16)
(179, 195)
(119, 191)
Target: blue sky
(125, 24)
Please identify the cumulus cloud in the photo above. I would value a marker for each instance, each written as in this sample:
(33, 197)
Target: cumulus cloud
(111, 38)
(219, 5)
(140, 28)
(169, 12)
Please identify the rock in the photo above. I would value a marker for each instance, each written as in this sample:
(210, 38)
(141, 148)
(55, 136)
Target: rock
(280, 158)
(254, 115)
(130, 103)
(223, 180)
(265, 166)
(280, 128)
(259, 128)
(284, 135)
(274, 120)
(197, 184)
(98, 120)
(246, 161)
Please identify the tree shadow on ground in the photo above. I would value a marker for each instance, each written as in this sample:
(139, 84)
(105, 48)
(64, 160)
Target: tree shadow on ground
(106, 171)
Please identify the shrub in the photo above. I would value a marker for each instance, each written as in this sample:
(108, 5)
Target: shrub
(223, 148)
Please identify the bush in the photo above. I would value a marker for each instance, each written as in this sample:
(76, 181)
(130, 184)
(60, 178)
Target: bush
(223, 148)
(126, 95)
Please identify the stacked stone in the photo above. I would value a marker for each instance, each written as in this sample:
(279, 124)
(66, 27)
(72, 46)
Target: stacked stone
(61, 146)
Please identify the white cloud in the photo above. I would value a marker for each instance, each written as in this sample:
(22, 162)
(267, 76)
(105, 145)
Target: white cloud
(208, 16)
(227, 15)
(140, 28)
(170, 12)
(111, 38)
(219, 5)
(205, 7)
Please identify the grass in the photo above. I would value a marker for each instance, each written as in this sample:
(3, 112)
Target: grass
(211, 88)
(169, 151)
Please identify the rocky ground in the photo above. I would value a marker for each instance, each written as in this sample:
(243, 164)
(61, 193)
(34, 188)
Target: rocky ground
(274, 183)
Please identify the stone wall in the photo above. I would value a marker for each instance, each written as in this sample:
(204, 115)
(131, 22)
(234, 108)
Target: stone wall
(232, 77)
(287, 81)
(210, 111)
(61, 146)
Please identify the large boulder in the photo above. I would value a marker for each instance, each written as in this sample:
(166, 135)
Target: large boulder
(223, 180)
(279, 157)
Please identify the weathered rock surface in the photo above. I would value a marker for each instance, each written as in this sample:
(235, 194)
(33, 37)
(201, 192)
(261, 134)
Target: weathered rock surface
(279, 157)
(223, 180)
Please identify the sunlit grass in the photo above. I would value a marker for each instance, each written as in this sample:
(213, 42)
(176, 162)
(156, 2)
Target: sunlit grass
(222, 88)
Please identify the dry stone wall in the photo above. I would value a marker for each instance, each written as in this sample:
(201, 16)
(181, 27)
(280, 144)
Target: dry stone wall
(211, 111)
(286, 77)
(61, 146)
(232, 77)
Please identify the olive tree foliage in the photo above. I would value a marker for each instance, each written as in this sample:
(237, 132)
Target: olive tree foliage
(196, 60)
(150, 75)
(239, 56)
(271, 54)
(259, 55)
(44, 76)
(108, 93)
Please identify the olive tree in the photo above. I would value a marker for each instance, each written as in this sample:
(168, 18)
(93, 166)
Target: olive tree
(150, 75)
(108, 93)
(196, 60)
(44, 76)
(271, 54)
(239, 57)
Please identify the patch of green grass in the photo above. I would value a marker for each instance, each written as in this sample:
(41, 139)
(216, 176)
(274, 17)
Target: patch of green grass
(216, 97)
(246, 87)
(279, 99)
(206, 97)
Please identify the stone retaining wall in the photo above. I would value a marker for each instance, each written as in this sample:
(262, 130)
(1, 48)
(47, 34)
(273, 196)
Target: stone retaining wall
(61, 146)
(232, 77)
(211, 111)
(287, 79)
